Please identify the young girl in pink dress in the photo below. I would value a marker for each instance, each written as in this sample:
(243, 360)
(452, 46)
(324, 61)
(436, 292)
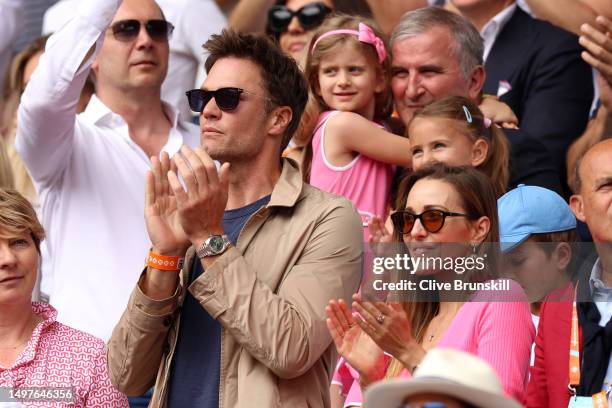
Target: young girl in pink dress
(352, 153)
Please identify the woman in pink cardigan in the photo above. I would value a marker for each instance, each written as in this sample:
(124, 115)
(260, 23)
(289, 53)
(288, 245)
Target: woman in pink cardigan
(384, 340)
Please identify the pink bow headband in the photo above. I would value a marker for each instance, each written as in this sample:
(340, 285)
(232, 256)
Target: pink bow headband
(365, 35)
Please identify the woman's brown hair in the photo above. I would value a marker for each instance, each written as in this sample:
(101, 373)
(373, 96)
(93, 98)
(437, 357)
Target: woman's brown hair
(458, 108)
(478, 199)
(13, 85)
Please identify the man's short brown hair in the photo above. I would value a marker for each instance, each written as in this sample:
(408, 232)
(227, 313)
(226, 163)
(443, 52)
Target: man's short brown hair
(281, 75)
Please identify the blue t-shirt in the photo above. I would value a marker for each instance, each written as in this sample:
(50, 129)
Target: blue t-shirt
(195, 371)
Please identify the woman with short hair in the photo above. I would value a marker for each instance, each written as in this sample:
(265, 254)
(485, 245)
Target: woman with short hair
(42, 361)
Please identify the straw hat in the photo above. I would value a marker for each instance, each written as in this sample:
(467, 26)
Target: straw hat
(446, 372)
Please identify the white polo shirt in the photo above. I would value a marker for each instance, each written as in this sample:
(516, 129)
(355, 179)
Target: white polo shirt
(90, 177)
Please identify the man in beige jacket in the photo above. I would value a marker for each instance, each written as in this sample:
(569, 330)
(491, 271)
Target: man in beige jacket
(243, 322)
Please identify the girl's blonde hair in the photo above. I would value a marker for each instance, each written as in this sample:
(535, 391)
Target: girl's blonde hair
(384, 100)
(458, 108)
(6, 172)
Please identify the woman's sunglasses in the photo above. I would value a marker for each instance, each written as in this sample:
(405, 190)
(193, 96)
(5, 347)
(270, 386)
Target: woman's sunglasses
(309, 16)
(127, 30)
(432, 220)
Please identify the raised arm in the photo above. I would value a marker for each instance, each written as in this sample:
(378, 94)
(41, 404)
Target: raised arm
(598, 52)
(47, 114)
(143, 327)
(196, 33)
(567, 14)
(353, 133)
(292, 335)
(250, 16)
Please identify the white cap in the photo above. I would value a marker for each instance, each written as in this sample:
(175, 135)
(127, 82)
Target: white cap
(446, 372)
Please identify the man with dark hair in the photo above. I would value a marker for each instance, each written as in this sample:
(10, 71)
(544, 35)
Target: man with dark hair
(264, 252)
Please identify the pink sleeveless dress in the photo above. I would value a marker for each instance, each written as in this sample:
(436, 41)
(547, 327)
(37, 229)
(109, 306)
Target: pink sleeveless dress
(364, 181)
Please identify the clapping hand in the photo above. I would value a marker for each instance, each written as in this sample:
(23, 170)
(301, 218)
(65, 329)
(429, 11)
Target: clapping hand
(161, 215)
(201, 205)
(353, 344)
(388, 325)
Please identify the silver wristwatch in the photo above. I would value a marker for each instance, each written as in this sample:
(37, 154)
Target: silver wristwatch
(214, 245)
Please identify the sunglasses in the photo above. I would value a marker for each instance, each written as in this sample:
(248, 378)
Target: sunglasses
(432, 220)
(309, 16)
(128, 30)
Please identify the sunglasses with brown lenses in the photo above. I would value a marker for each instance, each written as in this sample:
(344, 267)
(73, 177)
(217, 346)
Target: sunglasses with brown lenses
(432, 220)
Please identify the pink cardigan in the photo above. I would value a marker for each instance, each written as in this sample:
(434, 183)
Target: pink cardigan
(501, 333)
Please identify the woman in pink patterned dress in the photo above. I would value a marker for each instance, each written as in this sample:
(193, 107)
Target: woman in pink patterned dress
(42, 362)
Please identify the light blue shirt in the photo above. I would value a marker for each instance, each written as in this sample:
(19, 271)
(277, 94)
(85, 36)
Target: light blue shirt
(602, 296)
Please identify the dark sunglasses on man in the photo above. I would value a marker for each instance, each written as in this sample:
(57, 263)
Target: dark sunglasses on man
(432, 220)
(309, 16)
(128, 30)
(227, 99)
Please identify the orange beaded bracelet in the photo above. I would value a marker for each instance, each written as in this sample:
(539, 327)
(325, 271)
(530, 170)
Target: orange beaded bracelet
(164, 263)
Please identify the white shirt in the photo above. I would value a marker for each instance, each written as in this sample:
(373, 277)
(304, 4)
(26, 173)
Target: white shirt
(523, 4)
(602, 296)
(10, 23)
(194, 21)
(90, 177)
(491, 30)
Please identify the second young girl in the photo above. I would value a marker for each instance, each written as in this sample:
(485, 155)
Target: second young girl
(454, 131)
(352, 153)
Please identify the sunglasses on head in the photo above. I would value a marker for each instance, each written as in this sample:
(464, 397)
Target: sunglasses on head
(128, 30)
(432, 220)
(309, 16)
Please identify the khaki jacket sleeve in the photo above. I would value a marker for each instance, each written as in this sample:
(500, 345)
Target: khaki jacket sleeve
(286, 330)
(136, 347)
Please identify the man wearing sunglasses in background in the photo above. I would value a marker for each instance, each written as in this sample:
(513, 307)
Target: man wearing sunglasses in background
(89, 169)
(194, 21)
(242, 324)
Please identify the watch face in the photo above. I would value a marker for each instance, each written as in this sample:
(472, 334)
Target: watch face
(216, 243)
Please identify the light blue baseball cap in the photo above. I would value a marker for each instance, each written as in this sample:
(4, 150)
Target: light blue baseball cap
(528, 210)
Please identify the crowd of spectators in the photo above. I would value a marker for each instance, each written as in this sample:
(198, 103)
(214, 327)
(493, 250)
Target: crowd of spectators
(194, 195)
